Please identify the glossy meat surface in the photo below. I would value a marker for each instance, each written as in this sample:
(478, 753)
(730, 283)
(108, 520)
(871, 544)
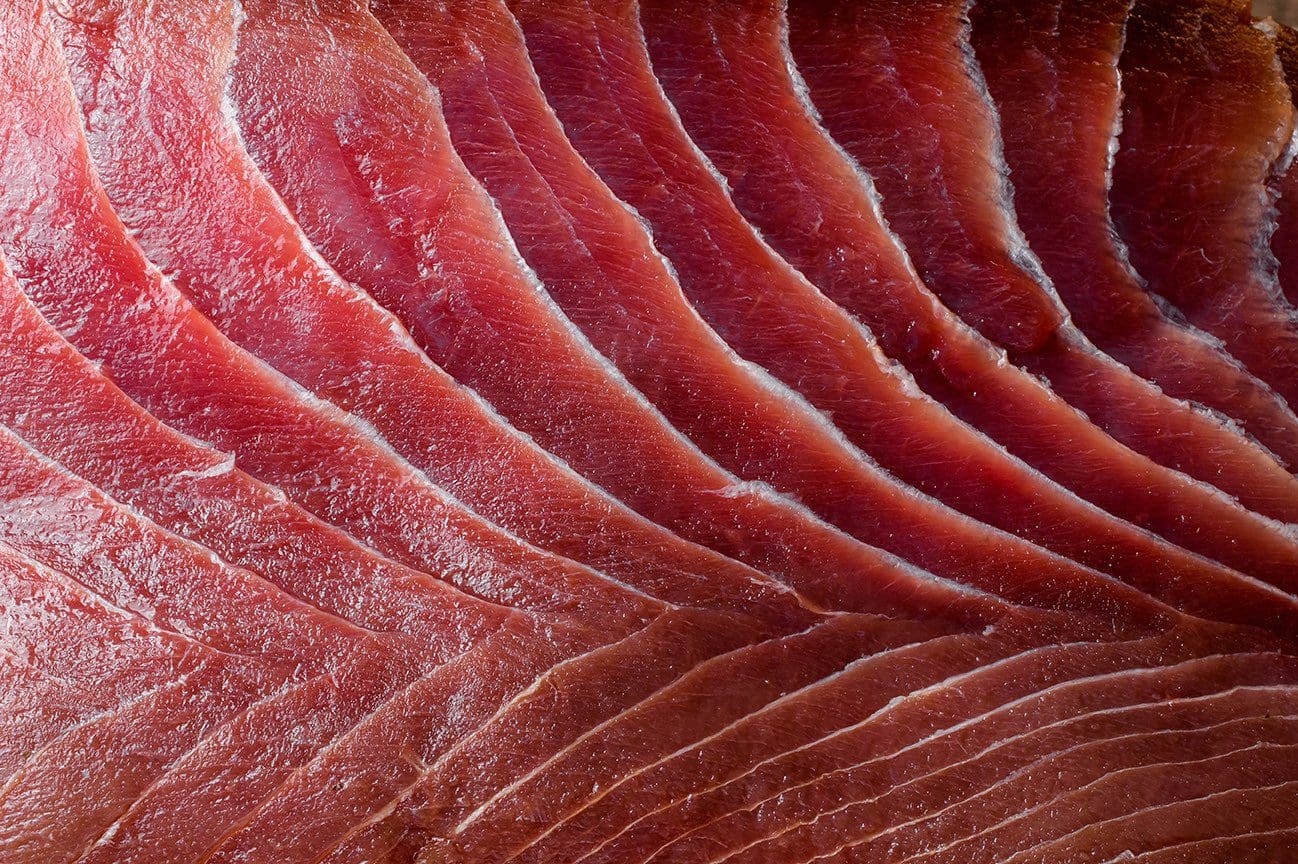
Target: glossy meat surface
(1203, 130)
(510, 431)
(1052, 69)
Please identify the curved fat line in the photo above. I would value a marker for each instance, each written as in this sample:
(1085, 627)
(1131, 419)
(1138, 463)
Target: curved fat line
(774, 705)
(1276, 787)
(427, 770)
(107, 714)
(1007, 742)
(1024, 771)
(1090, 787)
(398, 328)
(1022, 254)
(1053, 689)
(203, 742)
(684, 681)
(1189, 846)
(146, 525)
(327, 411)
(889, 365)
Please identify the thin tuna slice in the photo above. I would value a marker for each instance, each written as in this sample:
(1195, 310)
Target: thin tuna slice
(639, 735)
(612, 109)
(119, 311)
(53, 677)
(786, 175)
(522, 745)
(236, 253)
(599, 264)
(613, 435)
(336, 355)
(65, 407)
(1284, 239)
(56, 518)
(361, 120)
(1019, 776)
(169, 356)
(1206, 121)
(827, 761)
(59, 634)
(1052, 69)
(59, 520)
(931, 117)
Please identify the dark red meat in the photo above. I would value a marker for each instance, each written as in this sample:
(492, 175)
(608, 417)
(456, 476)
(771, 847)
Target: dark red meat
(364, 505)
(1206, 121)
(1053, 71)
(573, 45)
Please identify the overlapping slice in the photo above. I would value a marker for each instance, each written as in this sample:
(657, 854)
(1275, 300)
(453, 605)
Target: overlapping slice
(330, 658)
(568, 228)
(1203, 130)
(182, 367)
(573, 45)
(55, 639)
(1052, 69)
(359, 119)
(930, 116)
(1284, 238)
(257, 277)
(941, 722)
(782, 168)
(436, 254)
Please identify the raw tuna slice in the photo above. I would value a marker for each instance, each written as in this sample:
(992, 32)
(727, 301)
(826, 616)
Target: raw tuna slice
(61, 405)
(1254, 844)
(837, 698)
(336, 355)
(912, 815)
(795, 170)
(594, 68)
(600, 265)
(931, 118)
(186, 370)
(54, 674)
(1052, 69)
(998, 697)
(1206, 121)
(1284, 240)
(298, 315)
(361, 120)
(57, 518)
(534, 812)
(120, 312)
(405, 801)
(59, 633)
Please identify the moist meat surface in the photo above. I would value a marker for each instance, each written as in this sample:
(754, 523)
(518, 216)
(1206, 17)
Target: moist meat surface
(544, 431)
